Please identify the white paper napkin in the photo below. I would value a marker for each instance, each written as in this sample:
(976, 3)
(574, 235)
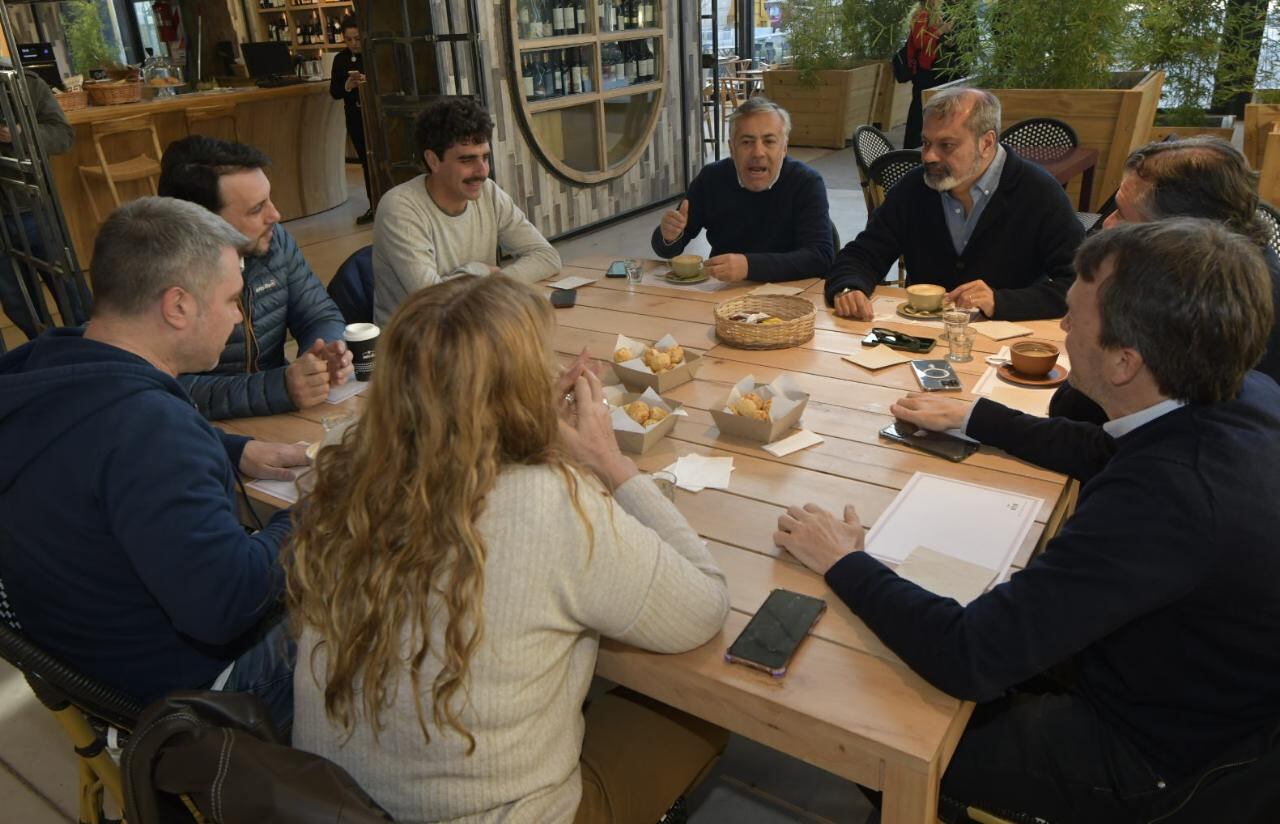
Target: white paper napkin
(793, 443)
(999, 329)
(284, 490)
(350, 389)
(775, 289)
(886, 308)
(695, 473)
(570, 283)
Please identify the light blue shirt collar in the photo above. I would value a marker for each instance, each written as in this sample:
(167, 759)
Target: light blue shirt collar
(1123, 426)
(961, 226)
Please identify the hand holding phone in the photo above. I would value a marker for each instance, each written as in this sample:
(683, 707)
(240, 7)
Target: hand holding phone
(935, 443)
(774, 633)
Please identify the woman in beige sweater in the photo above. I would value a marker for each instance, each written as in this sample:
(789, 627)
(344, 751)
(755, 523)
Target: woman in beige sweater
(465, 547)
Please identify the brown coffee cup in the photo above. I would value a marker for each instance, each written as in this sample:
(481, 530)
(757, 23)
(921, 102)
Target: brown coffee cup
(925, 297)
(1033, 358)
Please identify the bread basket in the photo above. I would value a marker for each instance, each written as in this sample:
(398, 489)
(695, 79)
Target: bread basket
(111, 92)
(72, 101)
(796, 314)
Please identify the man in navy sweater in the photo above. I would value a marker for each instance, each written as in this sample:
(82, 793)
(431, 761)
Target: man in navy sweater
(766, 215)
(1161, 593)
(121, 551)
(997, 231)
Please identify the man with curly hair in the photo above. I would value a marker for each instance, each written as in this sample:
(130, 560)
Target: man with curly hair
(452, 219)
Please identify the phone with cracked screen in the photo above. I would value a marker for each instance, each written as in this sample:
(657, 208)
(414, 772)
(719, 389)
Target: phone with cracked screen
(617, 269)
(774, 633)
(935, 375)
(935, 443)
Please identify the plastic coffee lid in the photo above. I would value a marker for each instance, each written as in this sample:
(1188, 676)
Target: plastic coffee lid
(360, 331)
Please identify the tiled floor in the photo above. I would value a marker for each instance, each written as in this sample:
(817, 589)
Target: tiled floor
(751, 785)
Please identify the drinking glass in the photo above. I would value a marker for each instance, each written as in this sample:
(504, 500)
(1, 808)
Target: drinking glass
(635, 272)
(961, 343)
(666, 483)
(955, 320)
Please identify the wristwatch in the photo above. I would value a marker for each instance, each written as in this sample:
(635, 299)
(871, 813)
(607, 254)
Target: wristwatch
(846, 290)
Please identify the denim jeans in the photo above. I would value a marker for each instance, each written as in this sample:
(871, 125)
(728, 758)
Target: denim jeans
(266, 670)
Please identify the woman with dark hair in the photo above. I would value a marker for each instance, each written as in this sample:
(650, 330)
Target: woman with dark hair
(466, 546)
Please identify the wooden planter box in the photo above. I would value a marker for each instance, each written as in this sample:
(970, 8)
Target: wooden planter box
(893, 99)
(1258, 119)
(825, 113)
(1113, 121)
(1214, 126)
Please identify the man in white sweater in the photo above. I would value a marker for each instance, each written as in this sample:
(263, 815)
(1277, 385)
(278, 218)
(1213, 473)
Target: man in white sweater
(452, 219)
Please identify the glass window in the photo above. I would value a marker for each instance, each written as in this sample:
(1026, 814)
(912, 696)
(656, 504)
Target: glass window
(570, 135)
(626, 121)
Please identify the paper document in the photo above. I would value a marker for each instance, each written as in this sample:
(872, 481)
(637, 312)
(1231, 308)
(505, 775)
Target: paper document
(350, 389)
(570, 283)
(775, 289)
(945, 575)
(284, 490)
(979, 525)
(999, 329)
(802, 439)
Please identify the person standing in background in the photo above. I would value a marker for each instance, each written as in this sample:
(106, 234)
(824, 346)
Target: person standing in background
(344, 85)
(924, 47)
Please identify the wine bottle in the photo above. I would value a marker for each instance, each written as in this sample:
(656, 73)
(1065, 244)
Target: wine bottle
(584, 59)
(539, 79)
(557, 78)
(522, 20)
(650, 59)
(557, 18)
(526, 77)
(630, 69)
(535, 18)
(575, 57)
(580, 11)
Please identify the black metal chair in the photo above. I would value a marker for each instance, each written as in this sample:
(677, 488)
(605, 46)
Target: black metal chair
(1269, 217)
(869, 143)
(74, 700)
(885, 173)
(1046, 132)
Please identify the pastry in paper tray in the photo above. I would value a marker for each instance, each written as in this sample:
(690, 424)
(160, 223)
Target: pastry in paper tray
(661, 357)
(763, 403)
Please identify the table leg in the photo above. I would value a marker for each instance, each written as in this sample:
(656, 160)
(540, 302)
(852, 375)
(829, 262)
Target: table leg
(910, 797)
(1086, 189)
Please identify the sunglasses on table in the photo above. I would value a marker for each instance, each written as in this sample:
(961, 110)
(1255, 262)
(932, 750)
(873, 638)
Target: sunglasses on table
(897, 340)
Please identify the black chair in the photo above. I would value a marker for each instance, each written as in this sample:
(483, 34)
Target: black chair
(891, 167)
(75, 702)
(1269, 217)
(1034, 132)
(869, 143)
(352, 286)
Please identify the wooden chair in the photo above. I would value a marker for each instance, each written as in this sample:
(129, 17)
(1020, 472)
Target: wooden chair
(869, 143)
(205, 114)
(142, 166)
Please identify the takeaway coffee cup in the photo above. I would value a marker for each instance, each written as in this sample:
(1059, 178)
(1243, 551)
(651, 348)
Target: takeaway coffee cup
(362, 341)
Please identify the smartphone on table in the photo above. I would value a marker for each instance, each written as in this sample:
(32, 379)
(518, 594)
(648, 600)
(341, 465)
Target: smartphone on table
(617, 269)
(935, 375)
(774, 633)
(563, 298)
(935, 443)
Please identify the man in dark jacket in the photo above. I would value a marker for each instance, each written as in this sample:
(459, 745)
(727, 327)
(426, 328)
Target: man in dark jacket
(344, 85)
(281, 293)
(1137, 653)
(56, 136)
(121, 552)
(997, 231)
(766, 215)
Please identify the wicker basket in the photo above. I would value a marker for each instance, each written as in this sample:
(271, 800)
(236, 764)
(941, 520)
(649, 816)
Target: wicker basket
(70, 101)
(111, 93)
(797, 316)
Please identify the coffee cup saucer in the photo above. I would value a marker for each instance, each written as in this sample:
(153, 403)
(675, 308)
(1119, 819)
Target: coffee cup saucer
(906, 310)
(672, 277)
(1056, 376)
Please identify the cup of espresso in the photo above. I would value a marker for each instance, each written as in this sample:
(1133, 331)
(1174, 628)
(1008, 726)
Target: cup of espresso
(362, 341)
(1033, 358)
(925, 297)
(686, 266)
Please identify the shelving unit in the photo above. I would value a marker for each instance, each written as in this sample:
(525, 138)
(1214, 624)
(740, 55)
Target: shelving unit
(598, 133)
(295, 14)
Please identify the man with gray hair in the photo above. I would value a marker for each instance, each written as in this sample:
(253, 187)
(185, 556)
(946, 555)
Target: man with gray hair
(995, 230)
(123, 555)
(766, 215)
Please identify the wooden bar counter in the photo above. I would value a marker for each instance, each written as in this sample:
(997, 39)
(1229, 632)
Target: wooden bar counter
(300, 127)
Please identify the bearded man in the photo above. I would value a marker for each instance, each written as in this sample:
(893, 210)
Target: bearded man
(997, 231)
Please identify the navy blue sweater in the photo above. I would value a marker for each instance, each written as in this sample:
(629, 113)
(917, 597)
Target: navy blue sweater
(1022, 247)
(120, 546)
(1163, 587)
(785, 232)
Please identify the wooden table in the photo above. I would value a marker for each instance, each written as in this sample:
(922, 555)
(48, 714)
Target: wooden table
(848, 704)
(1064, 163)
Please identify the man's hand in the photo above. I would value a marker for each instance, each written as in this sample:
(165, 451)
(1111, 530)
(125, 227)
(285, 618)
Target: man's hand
(674, 221)
(975, 294)
(929, 411)
(307, 378)
(728, 268)
(854, 305)
(354, 79)
(272, 461)
(817, 538)
(6, 136)
(338, 359)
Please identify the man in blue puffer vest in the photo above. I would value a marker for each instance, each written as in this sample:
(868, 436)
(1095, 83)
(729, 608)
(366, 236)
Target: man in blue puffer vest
(281, 293)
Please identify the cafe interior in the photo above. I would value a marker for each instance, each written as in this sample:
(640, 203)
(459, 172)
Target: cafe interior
(605, 113)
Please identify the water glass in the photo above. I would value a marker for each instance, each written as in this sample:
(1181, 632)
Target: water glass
(955, 320)
(635, 272)
(666, 483)
(960, 342)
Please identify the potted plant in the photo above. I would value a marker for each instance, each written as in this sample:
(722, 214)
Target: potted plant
(876, 29)
(831, 86)
(1058, 60)
(85, 42)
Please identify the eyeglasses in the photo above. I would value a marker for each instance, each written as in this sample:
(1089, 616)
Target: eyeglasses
(897, 340)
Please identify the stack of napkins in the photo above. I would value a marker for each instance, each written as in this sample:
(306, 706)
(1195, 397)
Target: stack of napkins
(695, 473)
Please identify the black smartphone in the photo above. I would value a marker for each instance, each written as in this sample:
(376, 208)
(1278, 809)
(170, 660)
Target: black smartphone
(772, 635)
(935, 443)
(563, 298)
(617, 269)
(935, 375)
